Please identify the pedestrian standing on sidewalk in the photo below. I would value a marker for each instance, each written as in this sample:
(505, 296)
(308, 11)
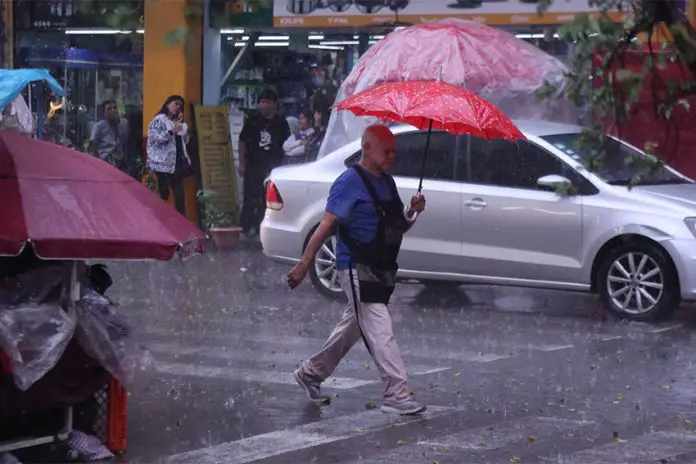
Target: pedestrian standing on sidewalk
(167, 157)
(321, 122)
(296, 145)
(365, 209)
(260, 150)
(109, 138)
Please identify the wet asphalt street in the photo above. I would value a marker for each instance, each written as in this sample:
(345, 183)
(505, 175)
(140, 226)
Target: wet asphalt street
(509, 375)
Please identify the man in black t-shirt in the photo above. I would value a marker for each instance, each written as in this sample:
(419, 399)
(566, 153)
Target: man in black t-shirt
(260, 150)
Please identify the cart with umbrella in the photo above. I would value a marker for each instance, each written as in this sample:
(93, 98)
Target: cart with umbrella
(62, 208)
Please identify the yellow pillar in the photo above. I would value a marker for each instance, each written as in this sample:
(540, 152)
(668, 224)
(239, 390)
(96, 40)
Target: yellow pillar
(172, 69)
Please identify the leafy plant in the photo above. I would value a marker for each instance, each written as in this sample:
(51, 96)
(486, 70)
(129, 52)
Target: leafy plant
(600, 80)
(212, 217)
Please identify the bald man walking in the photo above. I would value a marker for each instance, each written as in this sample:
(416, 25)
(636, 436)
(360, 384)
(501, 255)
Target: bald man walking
(365, 210)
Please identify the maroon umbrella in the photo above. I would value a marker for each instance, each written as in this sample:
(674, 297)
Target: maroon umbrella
(69, 205)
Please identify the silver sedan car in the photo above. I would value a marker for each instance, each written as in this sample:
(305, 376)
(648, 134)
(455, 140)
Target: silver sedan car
(530, 214)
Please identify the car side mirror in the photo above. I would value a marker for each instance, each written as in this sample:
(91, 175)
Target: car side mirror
(554, 182)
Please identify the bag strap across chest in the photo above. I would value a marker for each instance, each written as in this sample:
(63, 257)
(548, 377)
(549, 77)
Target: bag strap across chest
(372, 191)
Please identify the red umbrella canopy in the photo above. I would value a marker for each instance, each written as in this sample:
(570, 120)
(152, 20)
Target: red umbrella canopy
(445, 106)
(70, 205)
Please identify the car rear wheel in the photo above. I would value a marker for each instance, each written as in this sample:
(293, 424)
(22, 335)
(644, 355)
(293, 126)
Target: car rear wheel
(323, 272)
(637, 281)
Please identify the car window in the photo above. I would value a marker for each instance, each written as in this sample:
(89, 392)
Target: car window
(515, 165)
(619, 165)
(441, 161)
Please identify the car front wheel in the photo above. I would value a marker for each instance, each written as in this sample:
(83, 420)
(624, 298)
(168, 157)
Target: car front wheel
(638, 282)
(323, 272)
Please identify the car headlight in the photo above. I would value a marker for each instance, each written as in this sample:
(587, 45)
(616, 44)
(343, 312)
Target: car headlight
(691, 224)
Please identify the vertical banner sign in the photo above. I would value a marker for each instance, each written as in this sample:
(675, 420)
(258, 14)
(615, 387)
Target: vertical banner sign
(215, 156)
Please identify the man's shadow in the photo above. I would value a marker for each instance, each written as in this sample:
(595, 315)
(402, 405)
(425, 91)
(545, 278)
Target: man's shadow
(446, 296)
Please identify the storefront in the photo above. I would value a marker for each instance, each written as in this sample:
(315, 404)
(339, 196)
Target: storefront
(300, 45)
(93, 62)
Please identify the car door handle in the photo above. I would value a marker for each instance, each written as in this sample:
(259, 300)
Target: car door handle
(476, 203)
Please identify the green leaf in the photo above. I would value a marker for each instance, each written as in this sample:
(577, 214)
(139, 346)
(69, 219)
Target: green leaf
(176, 36)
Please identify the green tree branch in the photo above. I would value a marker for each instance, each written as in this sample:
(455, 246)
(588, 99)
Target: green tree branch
(598, 75)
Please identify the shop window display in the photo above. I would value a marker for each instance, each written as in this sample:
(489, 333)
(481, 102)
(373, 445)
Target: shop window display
(302, 80)
(89, 78)
(295, 76)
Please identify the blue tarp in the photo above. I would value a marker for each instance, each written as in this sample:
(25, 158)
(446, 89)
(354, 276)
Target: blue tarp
(13, 81)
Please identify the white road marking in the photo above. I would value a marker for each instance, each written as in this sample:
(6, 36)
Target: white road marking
(645, 448)
(603, 338)
(298, 438)
(275, 377)
(665, 329)
(285, 378)
(506, 433)
(279, 358)
(425, 371)
(294, 355)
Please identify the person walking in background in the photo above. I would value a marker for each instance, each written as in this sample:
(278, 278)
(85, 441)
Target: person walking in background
(365, 211)
(260, 150)
(109, 138)
(167, 157)
(321, 121)
(295, 146)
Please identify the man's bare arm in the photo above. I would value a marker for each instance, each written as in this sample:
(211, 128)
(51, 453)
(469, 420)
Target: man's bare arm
(324, 231)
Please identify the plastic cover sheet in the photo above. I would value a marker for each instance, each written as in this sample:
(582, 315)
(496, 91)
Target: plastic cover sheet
(107, 337)
(504, 70)
(34, 328)
(17, 116)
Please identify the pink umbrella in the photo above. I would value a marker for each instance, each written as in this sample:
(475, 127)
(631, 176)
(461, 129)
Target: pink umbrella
(490, 62)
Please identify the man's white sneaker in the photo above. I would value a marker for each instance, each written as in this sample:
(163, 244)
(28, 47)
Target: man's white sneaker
(406, 408)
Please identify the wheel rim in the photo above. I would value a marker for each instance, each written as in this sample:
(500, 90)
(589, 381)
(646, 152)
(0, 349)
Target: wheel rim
(635, 283)
(325, 265)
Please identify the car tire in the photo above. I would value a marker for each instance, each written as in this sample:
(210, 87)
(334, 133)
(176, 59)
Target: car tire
(323, 271)
(637, 281)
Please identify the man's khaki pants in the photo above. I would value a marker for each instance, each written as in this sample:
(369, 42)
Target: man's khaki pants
(376, 325)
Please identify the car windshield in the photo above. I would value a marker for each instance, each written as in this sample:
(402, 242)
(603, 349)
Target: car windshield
(620, 163)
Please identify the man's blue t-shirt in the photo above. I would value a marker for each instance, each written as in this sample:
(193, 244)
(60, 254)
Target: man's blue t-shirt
(352, 204)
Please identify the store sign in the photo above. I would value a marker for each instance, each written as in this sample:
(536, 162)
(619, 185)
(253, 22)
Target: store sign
(51, 14)
(61, 14)
(343, 13)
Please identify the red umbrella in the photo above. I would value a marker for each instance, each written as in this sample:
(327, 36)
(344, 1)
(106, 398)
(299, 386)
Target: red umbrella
(433, 105)
(70, 205)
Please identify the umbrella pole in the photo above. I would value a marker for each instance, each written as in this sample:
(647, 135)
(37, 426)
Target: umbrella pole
(425, 157)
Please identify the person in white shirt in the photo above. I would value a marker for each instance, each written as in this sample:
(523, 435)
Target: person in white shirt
(294, 146)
